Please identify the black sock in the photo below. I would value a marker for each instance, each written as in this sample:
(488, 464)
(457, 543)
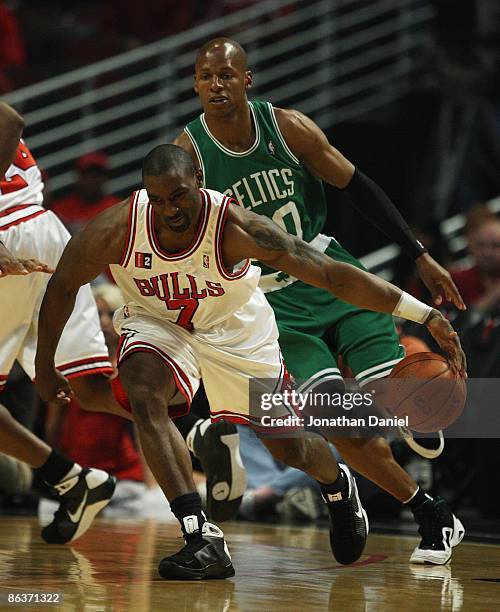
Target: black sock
(189, 512)
(56, 466)
(418, 499)
(338, 485)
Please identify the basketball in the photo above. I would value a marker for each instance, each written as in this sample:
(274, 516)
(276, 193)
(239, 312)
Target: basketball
(424, 389)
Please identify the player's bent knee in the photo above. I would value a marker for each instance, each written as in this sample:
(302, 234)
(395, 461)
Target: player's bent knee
(147, 405)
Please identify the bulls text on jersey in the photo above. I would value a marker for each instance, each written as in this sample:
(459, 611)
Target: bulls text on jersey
(183, 295)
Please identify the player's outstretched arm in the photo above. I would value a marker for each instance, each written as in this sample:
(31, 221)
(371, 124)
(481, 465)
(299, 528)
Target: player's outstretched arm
(248, 235)
(255, 236)
(309, 143)
(86, 255)
(11, 130)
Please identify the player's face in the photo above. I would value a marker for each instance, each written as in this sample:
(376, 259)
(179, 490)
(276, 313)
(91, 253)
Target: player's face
(221, 83)
(175, 199)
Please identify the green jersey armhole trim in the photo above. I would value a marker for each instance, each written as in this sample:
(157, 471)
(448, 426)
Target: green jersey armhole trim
(225, 149)
(280, 135)
(197, 151)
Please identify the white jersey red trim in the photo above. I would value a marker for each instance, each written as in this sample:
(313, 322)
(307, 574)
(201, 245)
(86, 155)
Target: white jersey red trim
(221, 222)
(22, 183)
(132, 223)
(191, 288)
(14, 215)
(85, 367)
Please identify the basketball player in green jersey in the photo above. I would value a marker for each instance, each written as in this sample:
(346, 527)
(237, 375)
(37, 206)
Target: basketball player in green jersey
(273, 161)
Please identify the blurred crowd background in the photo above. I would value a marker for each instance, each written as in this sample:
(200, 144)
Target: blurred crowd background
(399, 145)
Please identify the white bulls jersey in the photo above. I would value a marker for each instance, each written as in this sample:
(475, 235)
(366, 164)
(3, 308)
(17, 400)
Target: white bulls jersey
(29, 230)
(191, 288)
(22, 183)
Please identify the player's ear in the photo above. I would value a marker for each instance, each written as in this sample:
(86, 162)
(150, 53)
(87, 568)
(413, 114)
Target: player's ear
(195, 86)
(199, 177)
(248, 79)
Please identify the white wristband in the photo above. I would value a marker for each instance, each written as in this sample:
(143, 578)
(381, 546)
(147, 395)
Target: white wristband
(412, 309)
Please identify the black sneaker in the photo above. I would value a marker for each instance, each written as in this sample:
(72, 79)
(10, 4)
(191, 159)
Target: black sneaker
(82, 497)
(440, 530)
(348, 522)
(217, 446)
(201, 558)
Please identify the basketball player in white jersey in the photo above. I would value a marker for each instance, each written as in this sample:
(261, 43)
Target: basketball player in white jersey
(30, 235)
(180, 255)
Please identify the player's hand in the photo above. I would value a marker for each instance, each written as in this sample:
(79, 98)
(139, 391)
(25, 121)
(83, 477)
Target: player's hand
(54, 387)
(447, 338)
(10, 265)
(438, 281)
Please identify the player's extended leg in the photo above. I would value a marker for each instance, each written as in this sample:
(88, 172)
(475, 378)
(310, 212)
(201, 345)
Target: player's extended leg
(369, 344)
(348, 520)
(150, 387)
(382, 469)
(82, 492)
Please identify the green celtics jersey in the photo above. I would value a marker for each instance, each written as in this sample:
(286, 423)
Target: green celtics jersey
(267, 178)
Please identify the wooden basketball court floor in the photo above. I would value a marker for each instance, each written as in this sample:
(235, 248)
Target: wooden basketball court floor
(278, 568)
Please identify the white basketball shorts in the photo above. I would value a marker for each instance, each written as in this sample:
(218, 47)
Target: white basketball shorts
(32, 231)
(227, 357)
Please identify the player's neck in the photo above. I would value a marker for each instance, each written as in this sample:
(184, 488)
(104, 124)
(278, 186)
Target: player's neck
(174, 242)
(235, 131)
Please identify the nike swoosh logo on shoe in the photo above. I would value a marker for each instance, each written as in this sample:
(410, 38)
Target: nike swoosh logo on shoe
(358, 513)
(79, 511)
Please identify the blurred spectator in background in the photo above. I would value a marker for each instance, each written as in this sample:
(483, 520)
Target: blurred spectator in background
(479, 284)
(12, 51)
(88, 197)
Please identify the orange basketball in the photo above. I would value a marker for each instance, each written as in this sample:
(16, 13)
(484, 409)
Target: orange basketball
(423, 388)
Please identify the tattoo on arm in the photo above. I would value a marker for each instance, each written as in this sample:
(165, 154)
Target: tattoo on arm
(307, 254)
(267, 235)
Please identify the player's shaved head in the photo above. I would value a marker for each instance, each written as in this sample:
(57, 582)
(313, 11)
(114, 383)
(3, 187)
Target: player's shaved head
(224, 48)
(167, 158)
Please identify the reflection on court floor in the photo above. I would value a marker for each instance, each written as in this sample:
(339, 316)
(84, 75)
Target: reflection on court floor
(113, 567)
